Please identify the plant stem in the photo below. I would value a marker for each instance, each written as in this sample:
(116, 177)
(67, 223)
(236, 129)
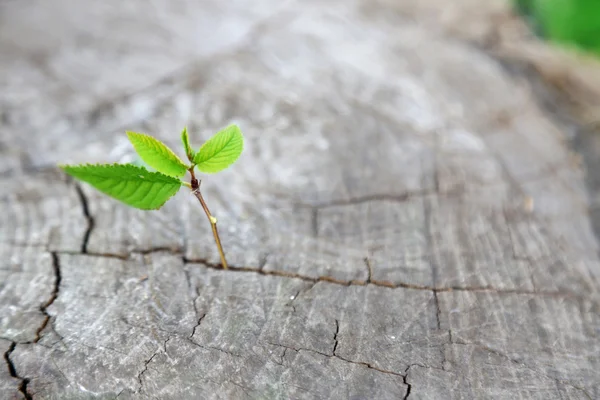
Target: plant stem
(195, 184)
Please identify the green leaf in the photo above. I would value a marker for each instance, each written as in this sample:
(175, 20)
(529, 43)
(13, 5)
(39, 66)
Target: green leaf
(157, 155)
(134, 186)
(570, 23)
(185, 139)
(220, 151)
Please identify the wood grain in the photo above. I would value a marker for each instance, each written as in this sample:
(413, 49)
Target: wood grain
(406, 222)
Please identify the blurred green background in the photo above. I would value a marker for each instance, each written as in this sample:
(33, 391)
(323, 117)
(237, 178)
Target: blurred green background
(571, 23)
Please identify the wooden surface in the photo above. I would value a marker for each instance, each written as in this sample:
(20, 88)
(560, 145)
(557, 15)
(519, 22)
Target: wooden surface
(407, 221)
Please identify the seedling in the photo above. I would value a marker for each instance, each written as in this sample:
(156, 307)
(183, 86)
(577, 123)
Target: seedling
(138, 187)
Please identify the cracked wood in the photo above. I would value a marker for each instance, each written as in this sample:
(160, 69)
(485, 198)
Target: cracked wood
(389, 235)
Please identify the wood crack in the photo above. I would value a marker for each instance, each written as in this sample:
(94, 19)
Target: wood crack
(143, 371)
(13, 372)
(361, 363)
(369, 366)
(438, 311)
(53, 296)
(88, 216)
(335, 335)
(369, 269)
(205, 347)
(147, 362)
(380, 283)
(335, 281)
(197, 325)
(408, 385)
(435, 191)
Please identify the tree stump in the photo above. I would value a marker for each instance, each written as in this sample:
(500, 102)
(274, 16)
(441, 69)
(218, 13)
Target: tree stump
(406, 222)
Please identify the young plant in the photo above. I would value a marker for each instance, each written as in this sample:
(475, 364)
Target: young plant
(137, 187)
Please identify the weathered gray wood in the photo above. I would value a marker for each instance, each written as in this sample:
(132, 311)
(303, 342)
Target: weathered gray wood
(9, 385)
(406, 220)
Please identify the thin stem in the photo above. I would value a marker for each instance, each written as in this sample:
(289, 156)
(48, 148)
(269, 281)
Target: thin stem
(195, 184)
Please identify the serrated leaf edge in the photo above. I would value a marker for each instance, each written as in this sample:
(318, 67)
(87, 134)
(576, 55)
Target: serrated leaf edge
(175, 159)
(168, 177)
(199, 165)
